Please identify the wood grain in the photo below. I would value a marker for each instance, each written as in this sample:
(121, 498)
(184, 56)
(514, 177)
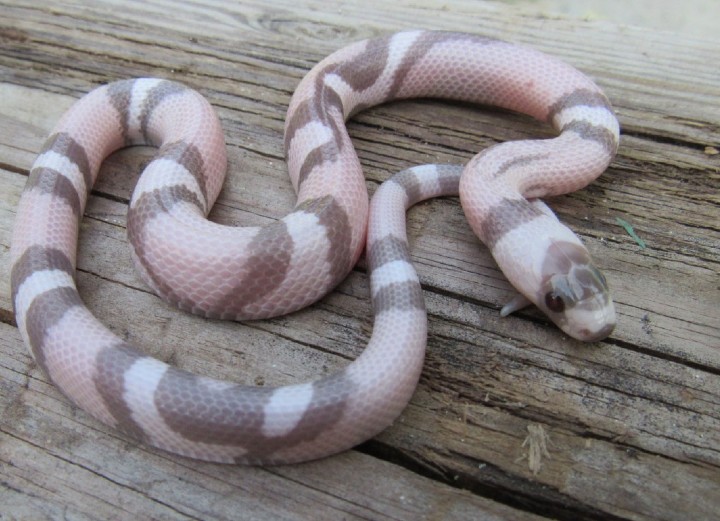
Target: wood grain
(630, 427)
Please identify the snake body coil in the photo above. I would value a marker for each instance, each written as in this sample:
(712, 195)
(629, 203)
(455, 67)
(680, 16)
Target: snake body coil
(250, 273)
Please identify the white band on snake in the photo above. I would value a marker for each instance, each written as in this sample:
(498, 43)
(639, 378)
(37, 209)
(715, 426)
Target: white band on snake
(249, 273)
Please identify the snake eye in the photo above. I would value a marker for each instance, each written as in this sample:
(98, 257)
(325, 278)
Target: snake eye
(554, 302)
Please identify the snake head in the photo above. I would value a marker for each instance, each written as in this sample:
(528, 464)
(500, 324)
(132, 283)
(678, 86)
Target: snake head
(574, 294)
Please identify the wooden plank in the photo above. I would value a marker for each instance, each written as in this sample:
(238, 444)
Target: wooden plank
(55, 463)
(631, 426)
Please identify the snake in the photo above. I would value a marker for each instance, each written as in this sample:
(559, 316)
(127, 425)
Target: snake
(249, 273)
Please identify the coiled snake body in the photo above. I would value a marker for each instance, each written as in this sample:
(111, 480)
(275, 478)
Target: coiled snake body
(250, 273)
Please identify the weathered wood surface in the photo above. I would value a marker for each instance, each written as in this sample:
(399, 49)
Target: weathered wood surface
(631, 427)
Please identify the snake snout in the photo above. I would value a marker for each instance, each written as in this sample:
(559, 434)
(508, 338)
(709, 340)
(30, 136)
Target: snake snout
(595, 336)
(592, 320)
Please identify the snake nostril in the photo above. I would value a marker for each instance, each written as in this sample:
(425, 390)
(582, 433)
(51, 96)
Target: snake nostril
(595, 336)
